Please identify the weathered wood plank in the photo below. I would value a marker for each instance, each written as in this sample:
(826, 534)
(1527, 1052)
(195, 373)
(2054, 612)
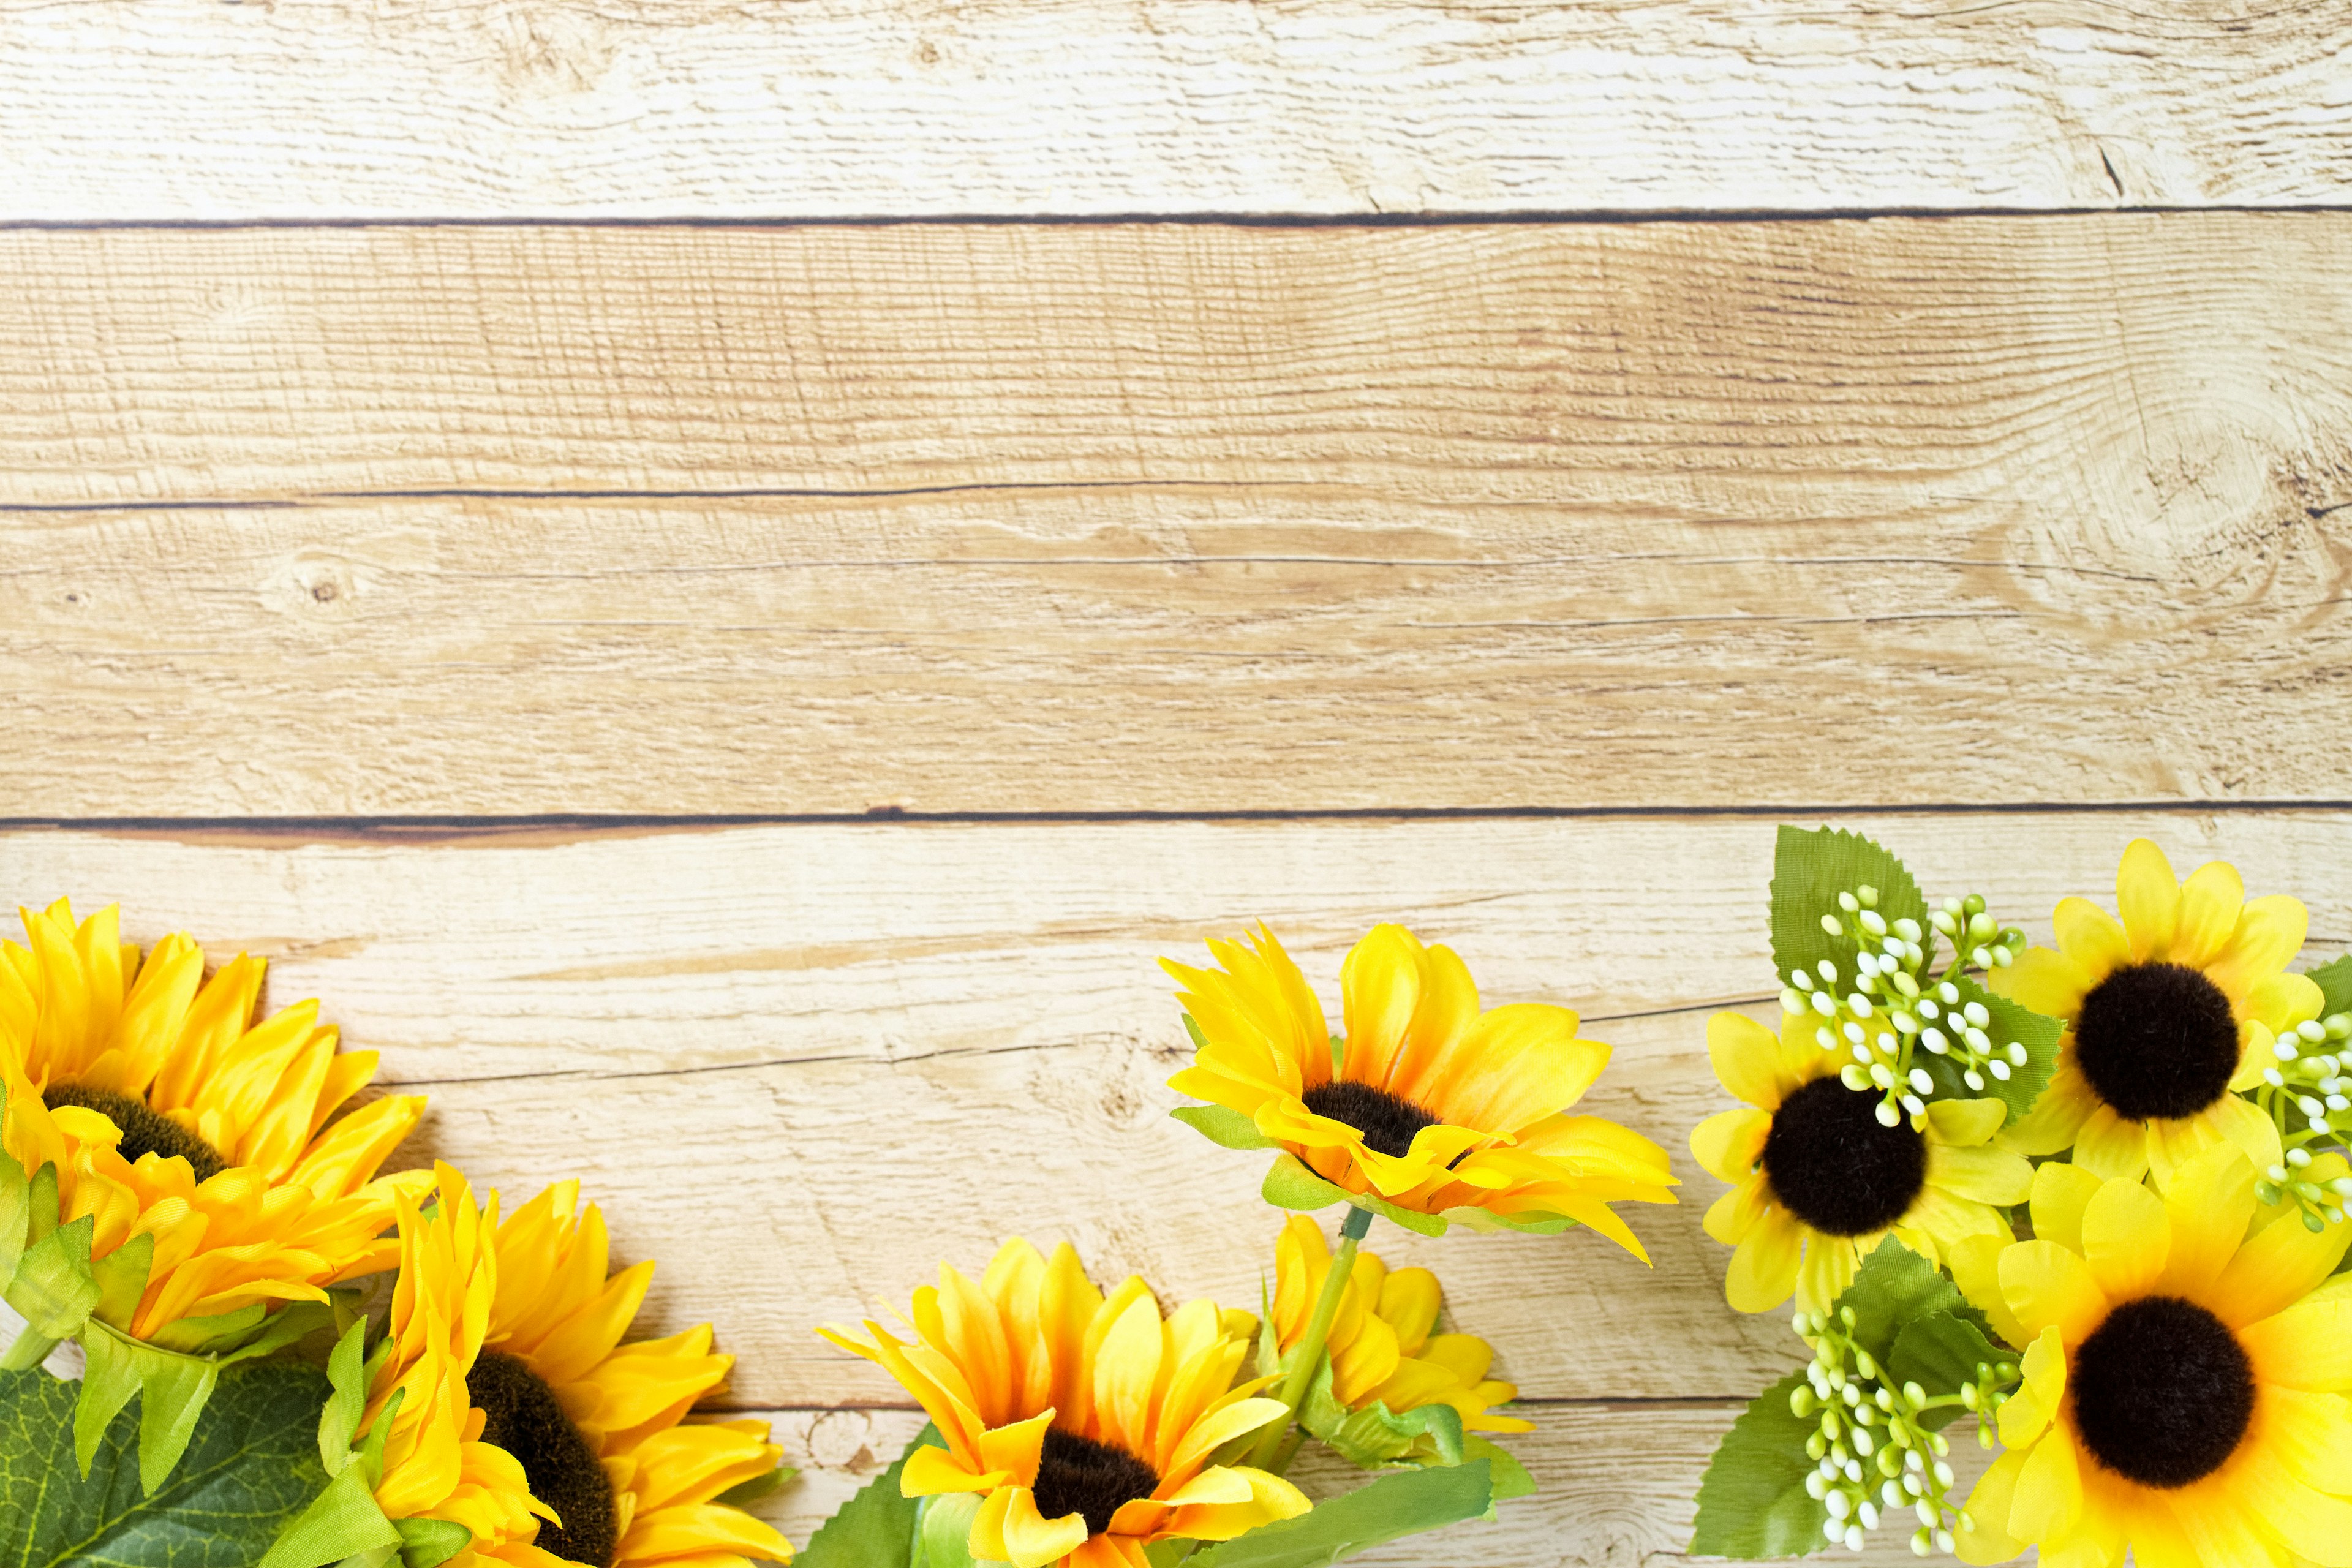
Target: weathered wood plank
(2044, 510)
(1617, 1483)
(669, 107)
(800, 1065)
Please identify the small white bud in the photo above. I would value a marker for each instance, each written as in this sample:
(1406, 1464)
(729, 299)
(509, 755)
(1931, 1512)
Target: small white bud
(1874, 922)
(1975, 1014)
(1848, 902)
(1921, 1081)
(1830, 924)
(1973, 1078)
(1824, 1003)
(1999, 1069)
(1827, 971)
(1887, 1115)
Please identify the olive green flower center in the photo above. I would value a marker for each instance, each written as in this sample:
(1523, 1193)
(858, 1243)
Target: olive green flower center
(1388, 1121)
(1078, 1475)
(145, 1131)
(522, 1416)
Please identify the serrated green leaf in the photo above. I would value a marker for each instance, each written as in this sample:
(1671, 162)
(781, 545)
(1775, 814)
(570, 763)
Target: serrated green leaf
(248, 1471)
(202, 1336)
(1752, 1501)
(15, 1209)
(1376, 1435)
(1810, 869)
(1289, 1185)
(1895, 1287)
(2335, 982)
(342, 1521)
(53, 1290)
(1223, 1126)
(1405, 1503)
(874, 1528)
(121, 1276)
(1940, 1351)
(2007, 1021)
(1487, 1221)
(339, 1420)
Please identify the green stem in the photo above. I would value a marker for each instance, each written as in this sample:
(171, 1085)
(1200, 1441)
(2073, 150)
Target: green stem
(1280, 1465)
(1309, 1356)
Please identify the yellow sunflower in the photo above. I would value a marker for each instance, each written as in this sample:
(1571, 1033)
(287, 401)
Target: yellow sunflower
(1431, 1106)
(2167, 1012)
(2185, 1377)
(1085, 1424)
(1382, 1341)
(1818, 1181)
(528, 1421)
(169, 1114)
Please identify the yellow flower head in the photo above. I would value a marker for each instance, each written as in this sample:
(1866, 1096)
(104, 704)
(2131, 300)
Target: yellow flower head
(527, 1421)
(1382, 1344)
(2185, 1375)
(2167, 1011)
(1084, 1423)
(169, 1114)
(1817, 1181)
(1433, 1105)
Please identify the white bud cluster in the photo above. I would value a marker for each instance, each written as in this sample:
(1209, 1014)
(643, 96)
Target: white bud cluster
(1872, 1455)
(1891, 1007)
(2307, 1089)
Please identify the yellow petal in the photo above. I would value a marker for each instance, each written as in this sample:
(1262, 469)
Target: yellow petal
(2047, 1285)
(1764, 1268)
(2148, 895)
(1830, 1264)
(2126, 1239)
(1746, 1058)
(2049, 1499)
(2112, 1148)
(1975, 1263)
(1731, 1217)
(2308, 1433)
(2268, 933)
(2057, 1117)
(2032, 1409)
(1964, 1124)
(2308, 1345)
(1380, 983)
(2045, 980)
(1987, 1539)
(2092, 939)
(2278, 1265)
(2209, 904)
(1985, 1175)
(2061, 1193)
(1728, 1144)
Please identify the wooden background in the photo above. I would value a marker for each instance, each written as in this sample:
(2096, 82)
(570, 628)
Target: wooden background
(720, 579)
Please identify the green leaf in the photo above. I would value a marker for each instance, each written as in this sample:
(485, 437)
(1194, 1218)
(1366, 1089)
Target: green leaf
(943, 1530)
(249, 1469)
(1223, 1126)
(2009, 1022)
(875, 1528)
(342, 1521)
(1407, 1502)
(202, 1336)
(1895, 1288)
(1752, 1501)
(1487, 1221)
(1289, 1185)
(1376, 1435)
(339, 1420)
(1511, 1477)
(1810, 869)
(429, 1543)
(1940, 1351)
(121, 1276)
(2334, 983)
(15, 1207)
(53, 1290)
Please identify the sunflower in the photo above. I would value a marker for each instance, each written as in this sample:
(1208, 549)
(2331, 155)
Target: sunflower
(2167, 1012)
(1818, 1181)
(1085, 1424)
(169, 1114)
(1432, 1105)
(2185, 1377)
(1381, 1343)
(528, 1421)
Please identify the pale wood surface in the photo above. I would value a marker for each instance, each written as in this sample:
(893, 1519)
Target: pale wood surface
(1175, 519)
(667, 107)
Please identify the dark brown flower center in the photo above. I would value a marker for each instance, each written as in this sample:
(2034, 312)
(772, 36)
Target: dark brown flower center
(1835, 1166)
(2156, 1040)
(1077, 1475)
(521, 1415)
(2163, 1392)
(1388, 1121)
(145, 1131)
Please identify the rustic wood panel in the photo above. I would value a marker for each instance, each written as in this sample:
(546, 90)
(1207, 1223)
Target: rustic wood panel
(801, 1063)
(2050, 510)
(1617, 1484)
(667, 108)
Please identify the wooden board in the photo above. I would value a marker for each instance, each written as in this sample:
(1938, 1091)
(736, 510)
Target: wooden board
(182, 109)
(802, 1063)
(454, 522)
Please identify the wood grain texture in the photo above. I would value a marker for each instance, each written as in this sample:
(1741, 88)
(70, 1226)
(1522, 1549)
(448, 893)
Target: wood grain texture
(815, 108)
(1960, 511)
(799, 1064)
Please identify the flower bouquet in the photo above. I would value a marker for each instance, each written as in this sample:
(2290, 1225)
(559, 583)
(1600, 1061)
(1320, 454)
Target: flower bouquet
(2091, 1197)
(1077, 1427)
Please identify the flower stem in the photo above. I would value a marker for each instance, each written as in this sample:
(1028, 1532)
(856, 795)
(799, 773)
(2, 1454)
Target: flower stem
(1309, 1354)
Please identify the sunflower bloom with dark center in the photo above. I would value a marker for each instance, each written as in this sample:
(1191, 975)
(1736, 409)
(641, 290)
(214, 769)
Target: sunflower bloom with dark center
(1430, 1103)
(2186, 1361)
(1817, 1181)
(168, 1111)
(1084, 1423)
(2169, 1011)
(530, 1423)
